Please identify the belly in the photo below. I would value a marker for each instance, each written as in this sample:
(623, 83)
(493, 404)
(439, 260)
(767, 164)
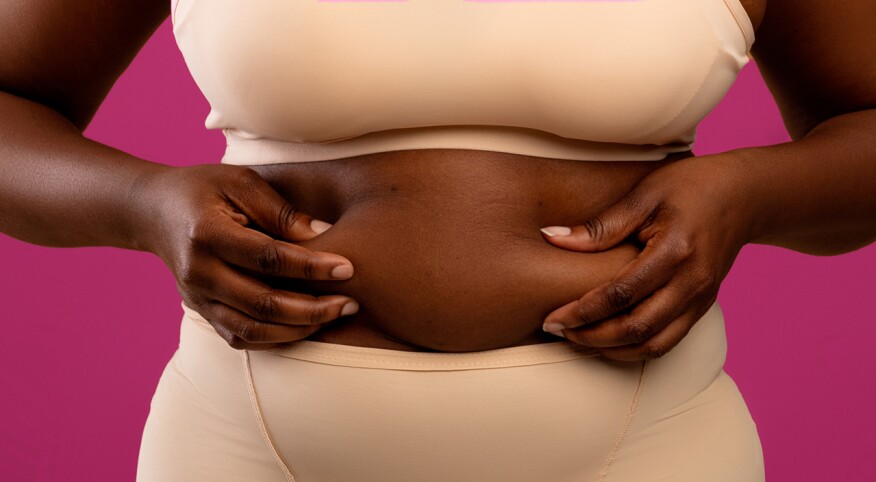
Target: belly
(446, 245)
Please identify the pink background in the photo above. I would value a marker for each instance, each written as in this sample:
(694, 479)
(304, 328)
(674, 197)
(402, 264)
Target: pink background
(87, 331)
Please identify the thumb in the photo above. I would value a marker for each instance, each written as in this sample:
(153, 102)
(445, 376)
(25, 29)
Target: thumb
(605, 230)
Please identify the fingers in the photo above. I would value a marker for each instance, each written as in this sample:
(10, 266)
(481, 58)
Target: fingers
(647, 308)
(662, 342)
(655, 265)
(243, 332)
(260, 202)
(638, 325)
(259, 301)
(609, 228)
(655, 324)
(259, 252)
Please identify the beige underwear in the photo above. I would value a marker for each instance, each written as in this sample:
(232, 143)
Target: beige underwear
(322, 412)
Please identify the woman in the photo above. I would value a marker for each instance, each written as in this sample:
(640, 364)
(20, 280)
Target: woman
(436, 151)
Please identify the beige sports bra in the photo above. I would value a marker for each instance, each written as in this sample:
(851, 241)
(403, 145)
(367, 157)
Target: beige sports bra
(314, 80)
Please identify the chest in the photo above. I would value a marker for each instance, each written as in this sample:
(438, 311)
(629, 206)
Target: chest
(309, 71)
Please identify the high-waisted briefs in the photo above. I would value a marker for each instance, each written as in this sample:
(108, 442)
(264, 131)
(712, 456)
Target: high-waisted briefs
(322, 412)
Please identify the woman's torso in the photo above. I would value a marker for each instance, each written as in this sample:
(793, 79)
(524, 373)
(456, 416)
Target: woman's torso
(446, 245)
(438, 137)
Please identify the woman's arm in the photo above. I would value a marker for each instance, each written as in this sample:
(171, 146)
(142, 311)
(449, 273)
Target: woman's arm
(59, 61)
(815, 194)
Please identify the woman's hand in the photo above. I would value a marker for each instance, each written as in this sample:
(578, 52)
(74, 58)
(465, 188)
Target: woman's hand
(219, 226)
(692, 222)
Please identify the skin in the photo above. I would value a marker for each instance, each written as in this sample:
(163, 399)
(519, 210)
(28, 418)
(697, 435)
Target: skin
(446, 245)
(239, 241)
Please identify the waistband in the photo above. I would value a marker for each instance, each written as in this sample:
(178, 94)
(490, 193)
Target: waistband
(368, 357)
(700, 354)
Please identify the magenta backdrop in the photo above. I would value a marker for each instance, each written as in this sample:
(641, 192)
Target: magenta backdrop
(87, 331)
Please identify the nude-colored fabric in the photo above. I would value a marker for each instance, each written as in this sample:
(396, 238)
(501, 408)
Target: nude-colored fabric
(310, 80)
(321, 412)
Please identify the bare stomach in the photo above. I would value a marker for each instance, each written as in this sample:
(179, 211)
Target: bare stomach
(446, 245)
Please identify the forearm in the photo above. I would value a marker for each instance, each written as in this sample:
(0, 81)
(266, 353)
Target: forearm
(817, 194)
(58, 188)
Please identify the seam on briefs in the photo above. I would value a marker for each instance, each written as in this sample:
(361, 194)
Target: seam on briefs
(631, 413)
(257, 412)
(260, 419)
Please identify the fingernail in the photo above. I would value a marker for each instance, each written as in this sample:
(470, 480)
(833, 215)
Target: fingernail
(553, 327)
(319, 226)
(350, 308)
(342, 271)
(556, 231)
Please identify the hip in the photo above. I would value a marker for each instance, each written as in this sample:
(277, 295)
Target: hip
(321, 412)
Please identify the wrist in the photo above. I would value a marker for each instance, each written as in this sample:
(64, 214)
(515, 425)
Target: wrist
(747, 192)
(143, 209)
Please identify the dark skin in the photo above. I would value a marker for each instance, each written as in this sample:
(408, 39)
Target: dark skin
(239, 243)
